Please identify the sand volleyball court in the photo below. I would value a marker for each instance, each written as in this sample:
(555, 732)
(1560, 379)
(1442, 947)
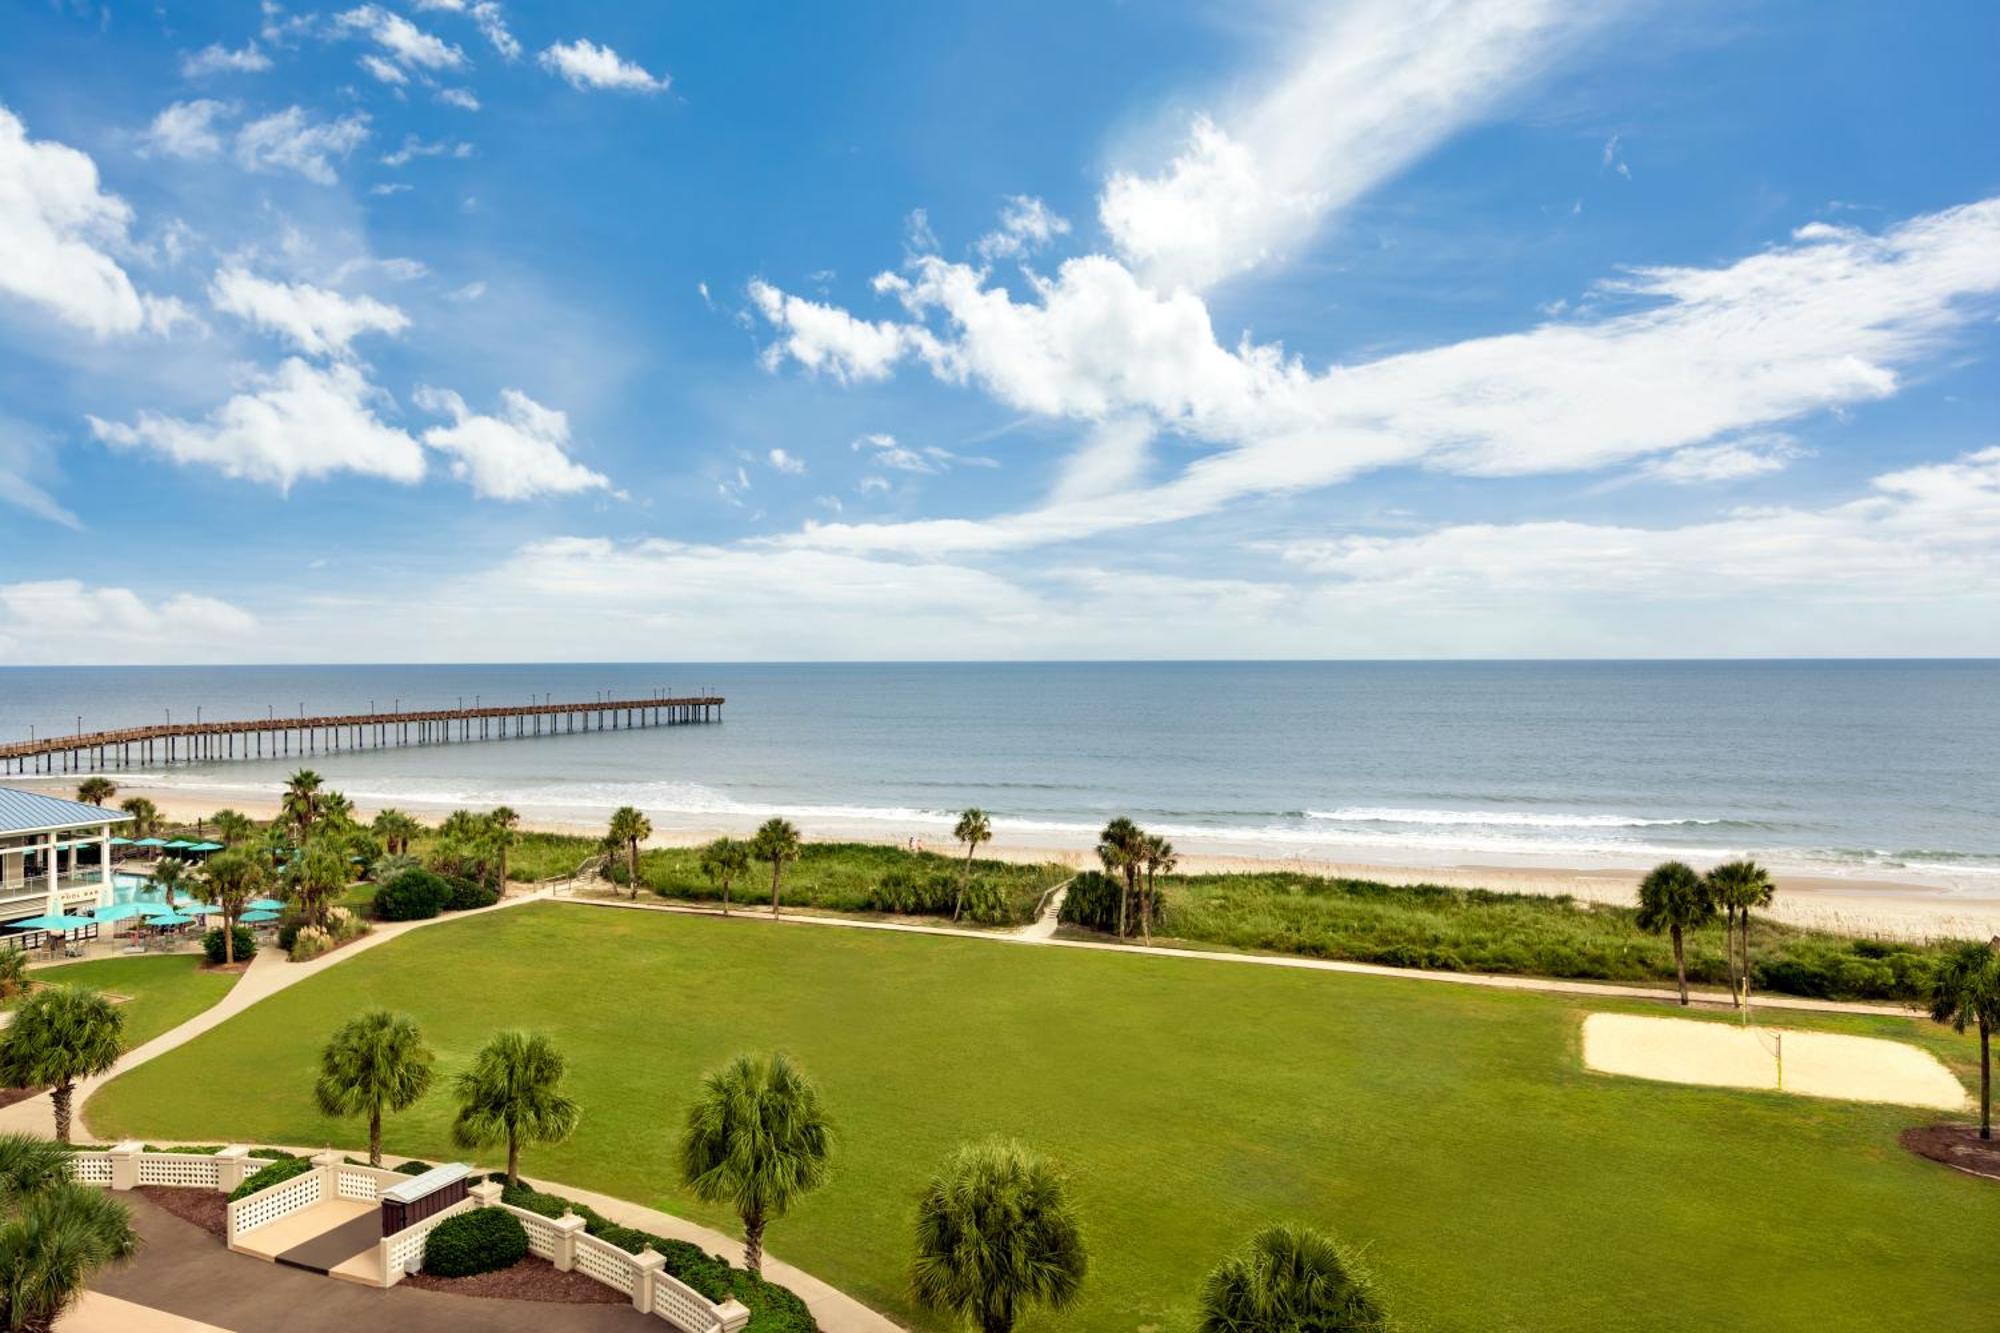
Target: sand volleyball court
(1730, 1055)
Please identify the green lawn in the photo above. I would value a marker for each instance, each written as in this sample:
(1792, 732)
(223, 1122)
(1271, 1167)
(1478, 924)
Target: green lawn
(165, 990)
(1449, 1131)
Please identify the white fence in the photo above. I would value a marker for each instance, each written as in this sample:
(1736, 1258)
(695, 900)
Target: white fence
(685, 1308)
(280, 1200)
(366, 1183)
(188, 1170)
(607, 1263)
(92, 1168)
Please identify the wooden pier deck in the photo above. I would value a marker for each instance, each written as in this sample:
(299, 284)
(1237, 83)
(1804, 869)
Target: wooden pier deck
(279, 737)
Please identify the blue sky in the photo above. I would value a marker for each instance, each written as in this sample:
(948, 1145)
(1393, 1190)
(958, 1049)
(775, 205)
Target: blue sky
(476, 329)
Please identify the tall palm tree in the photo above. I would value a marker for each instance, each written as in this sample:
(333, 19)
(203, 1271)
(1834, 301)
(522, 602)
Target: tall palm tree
(973, 828)
(1738, 886)
(376, 1062)
(1672, 898)
(145, 815)
(96, 790)
(59, 1035)
(503, 822)
(301, 801)
(513, 1094)
(996, 1231)
(1290, 1278)
(318, 875)
(722, 861)
(1966, 991)
(395, 829)
(775, 841)
(757, 1138)
(54, 1233)
(234, 878)
(629, 828)
(1121, 847)
(1157, 854)
(233, 826)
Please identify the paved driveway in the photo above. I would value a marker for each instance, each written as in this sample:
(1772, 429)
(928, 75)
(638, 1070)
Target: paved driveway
(186, 1271)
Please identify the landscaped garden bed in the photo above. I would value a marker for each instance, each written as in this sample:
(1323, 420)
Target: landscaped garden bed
(531, 1279)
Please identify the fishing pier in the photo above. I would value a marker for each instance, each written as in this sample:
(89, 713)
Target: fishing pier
(278, 737)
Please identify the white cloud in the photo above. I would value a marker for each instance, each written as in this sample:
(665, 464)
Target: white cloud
(825, 338)
(317, 321)
(289, 140)
(406, 43)
(785, 462)
(471, 291)
(519, 455)
(391, 187)
(1026, 225)
(1371, 87)
(300, 421)
(187, 129)
(27, 461)
(486, 14)
(414, 148)
(68, 620)
(462, 98)
(56, 229)
(585, 65)
(218, 59)
(383, 70)
(1736, 460)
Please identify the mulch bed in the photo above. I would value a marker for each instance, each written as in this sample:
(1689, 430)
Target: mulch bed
(207, 1209)
(1956, 1145)
(8, 1096)
(530, 1280)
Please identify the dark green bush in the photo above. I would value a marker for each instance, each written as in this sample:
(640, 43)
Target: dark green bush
(246, 946)
(282, 1169)
(411, 896)
(288, 932)
(1092, 902)
(414, 1168)
(466, 894)
(484, 1240)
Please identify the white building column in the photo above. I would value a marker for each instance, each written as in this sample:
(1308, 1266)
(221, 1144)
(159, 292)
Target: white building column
(104, 865)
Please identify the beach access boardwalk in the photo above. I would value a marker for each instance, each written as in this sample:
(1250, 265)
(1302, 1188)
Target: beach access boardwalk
(275, 737)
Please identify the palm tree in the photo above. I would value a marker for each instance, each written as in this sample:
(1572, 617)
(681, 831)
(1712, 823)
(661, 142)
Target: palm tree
(513, 1093)
(173, 876)
(234, 878)
(318, 874)
(96, 790)
(503, 822)
(629, 828)
(1157, 854)
(395, 829)
(1738, 886)
(1290, 1278)
(13, 973)
(722, 861)
(145, 815)
(996, 1231)
(776, 841)
(462, 826)
(1674, 899)
(1966, 991)
(1121, 848)
(301, 801)
(335, 810)
(233, 826)
(59, 1035)
(757, 1138)
(973, 829)
(376, 1062)
(54, 1233)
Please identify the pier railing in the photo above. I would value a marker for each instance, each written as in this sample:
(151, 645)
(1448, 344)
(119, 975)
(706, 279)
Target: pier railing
(279, 737)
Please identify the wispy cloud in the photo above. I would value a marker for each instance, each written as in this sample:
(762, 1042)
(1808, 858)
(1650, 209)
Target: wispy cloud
(584, 65)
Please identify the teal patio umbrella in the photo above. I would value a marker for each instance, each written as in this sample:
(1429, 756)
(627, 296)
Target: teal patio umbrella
(265, 905)
(258, 918)
(56, 921)
(150, 842)
(119, 911)
(169, 919)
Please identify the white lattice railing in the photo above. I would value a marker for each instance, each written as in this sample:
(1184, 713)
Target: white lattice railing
(91, 1168)
(190, 1170)
(273, 1202)
(606, 1262)
(404, 1252)
(365, 1183)
(682, 1306)
(541, 1231)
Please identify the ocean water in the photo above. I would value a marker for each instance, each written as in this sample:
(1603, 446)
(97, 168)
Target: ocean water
(1887, 769)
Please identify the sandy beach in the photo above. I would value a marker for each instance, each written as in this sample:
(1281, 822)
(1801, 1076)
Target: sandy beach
(1904, 908)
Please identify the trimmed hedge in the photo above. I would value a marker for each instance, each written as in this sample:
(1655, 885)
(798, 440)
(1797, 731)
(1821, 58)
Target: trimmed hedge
(412, 896)
(484, 1240)
(281, 1170)
(246, 946)
(413, 1168)
(466, 894)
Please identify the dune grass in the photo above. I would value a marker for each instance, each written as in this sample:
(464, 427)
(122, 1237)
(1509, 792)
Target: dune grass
(163, 991)
(1450, 1132)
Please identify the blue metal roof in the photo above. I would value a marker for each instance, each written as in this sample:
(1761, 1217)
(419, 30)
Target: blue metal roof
(31, 812)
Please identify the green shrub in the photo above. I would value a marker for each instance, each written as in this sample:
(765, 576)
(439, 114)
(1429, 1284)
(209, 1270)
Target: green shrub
(411, 896)
(309, 943)
(1092, 902)
(481, 1241)
(465, 895)
(288, 933)
(246, 946)
(281, 1170)
(414, 1168)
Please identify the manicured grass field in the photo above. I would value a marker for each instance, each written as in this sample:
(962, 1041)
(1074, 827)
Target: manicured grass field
(165, 990)
(1449, 1131)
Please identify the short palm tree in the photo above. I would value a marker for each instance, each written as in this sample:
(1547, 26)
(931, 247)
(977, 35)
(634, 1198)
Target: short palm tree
(59, 1035)
(1291, 1278)
(629, 828)
(54, 1233)
(513, 1094)
(234, 827)
(145, 815)
(1121, 848)
(96, 790)
(319, 874)
(13, 973)
(757, 1138)
(376, 1062)
(1672, 898)
(173, 878)
(503, 822)
(775, 841)
(234, 878)
(722, 861)
(1737, 887)
(1157, 855)
(395, 829)
(973, 828)
(996, 1232)
(1966, 992)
